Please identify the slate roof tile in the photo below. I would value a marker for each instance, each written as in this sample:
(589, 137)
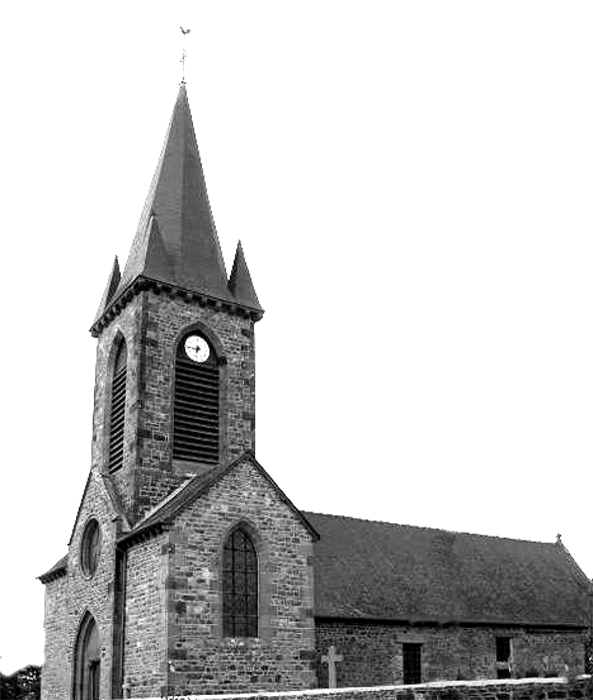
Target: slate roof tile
(187, 253)
(367, 570)
(375, 570)
(58, 569)
(240, 282)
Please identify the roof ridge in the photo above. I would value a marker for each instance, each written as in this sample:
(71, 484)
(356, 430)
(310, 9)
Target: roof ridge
(432, 529)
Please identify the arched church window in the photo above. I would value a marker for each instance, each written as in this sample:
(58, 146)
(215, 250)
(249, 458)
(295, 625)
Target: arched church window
(90, 547)
(239, 586)
(118, 407)
(196, 403)
(87, 661)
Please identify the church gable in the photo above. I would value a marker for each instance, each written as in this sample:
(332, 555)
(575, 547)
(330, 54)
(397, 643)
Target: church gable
(240, 587)
(79, 597)
(91, 559)
(99, 501)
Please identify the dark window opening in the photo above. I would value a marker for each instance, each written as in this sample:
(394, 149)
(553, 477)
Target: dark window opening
(239, 586)
(412, 663)
(196, 404)
(90, 548)
(503, 648)
(118, 408)
(87, 661)
(503, 657)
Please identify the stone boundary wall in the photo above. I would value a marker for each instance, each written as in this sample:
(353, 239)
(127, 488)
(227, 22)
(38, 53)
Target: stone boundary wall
(580, 688)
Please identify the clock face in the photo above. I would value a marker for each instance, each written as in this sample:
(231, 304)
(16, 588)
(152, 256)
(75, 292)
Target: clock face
(196, 348)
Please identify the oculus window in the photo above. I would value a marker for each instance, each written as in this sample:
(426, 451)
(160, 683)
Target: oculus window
(90, 548)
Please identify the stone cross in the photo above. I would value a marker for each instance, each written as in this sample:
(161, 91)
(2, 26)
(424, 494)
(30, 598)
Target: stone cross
(331, 659)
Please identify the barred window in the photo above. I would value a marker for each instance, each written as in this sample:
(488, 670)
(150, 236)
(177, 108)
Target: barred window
(239, 586)
(118, 407)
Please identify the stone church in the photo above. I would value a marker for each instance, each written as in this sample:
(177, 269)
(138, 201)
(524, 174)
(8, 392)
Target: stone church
(189, 570)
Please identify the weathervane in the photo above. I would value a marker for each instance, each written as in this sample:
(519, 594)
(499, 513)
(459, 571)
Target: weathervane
(185, 32)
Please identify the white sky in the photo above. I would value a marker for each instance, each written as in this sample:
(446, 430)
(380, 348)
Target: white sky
(412, 183)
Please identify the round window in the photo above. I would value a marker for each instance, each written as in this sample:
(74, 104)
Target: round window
(90, 548)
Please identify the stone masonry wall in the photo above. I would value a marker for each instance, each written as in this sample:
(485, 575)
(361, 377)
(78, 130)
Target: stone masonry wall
(167, 318)
(128, 324)
(201, 659)
(76, 594)
(151, 325)
(541, 689)
(372, 653)
(145, 647)
(52, 677)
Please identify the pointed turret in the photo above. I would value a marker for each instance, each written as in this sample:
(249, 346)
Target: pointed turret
(157, 264)
(240, 283)
(110, 289)
(176, 245)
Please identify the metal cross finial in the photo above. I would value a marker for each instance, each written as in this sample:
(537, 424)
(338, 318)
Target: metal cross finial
(185, 32)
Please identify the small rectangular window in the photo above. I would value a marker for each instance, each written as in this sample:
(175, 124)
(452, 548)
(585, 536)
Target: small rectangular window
(503, 657)
(412, 663)
(503, 648)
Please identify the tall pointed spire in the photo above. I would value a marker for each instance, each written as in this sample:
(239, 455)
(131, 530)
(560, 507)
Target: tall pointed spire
(176, 245)
(178, 205)
(240, 282)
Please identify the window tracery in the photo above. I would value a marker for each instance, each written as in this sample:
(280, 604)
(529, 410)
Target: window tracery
(239, 586)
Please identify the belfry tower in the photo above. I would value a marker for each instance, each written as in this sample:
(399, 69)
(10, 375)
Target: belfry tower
(175, 372)
(188, 569)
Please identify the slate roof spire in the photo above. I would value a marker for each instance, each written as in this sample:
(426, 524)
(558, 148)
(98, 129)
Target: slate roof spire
(178, 200)
(240, 283)
(176, 241)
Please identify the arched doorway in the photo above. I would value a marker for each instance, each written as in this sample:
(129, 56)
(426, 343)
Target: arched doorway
(87, 660)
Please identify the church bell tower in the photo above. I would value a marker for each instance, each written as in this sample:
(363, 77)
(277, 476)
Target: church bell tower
(175, 370)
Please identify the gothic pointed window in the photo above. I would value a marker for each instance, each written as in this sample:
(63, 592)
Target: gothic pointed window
(239, 586)
(118, 407)
(196, 404)
(87, 661)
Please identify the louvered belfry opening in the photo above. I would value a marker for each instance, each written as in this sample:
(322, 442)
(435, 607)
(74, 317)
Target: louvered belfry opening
(118, 408)
(196, 404)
